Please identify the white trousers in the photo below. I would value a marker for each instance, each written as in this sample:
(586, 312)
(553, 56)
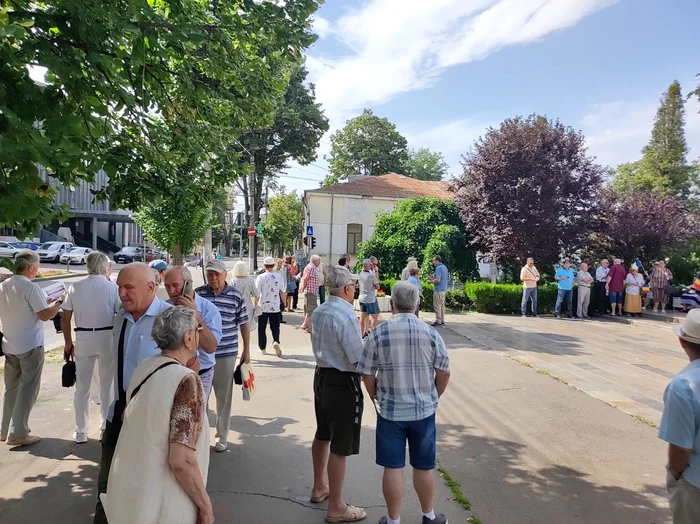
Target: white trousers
(84, 369)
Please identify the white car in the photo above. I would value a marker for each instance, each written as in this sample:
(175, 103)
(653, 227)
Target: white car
(77, 255)
(52, 251)
(8, 250)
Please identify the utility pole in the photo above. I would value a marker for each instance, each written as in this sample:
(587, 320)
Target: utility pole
(251, 222)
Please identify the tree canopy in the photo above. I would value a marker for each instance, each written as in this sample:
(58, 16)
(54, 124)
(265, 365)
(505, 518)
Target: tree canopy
(283, 224)
(528, 188)
(424, 164)
(151, 92)
(421, 227)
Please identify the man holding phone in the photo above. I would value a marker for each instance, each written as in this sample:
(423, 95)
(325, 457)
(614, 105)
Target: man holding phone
(178, 284)
(565, 280)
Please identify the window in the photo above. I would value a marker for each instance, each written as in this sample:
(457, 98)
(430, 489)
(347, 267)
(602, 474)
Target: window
(354, 238)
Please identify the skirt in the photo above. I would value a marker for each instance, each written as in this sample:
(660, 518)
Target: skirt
(633, 303)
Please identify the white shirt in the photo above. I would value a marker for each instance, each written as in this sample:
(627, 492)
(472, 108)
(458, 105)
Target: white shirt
(269, 286)
(321, 276)
(20, 301)
(94, 302)
(601, 274)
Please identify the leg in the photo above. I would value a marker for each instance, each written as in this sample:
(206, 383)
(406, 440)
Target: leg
(569, 301)
(533, 297)
(207, 379)
(13, 374)
(393, 487)
(363, 322)
(32, 364)
(424, 484)
(579, 302)
(109, 444)
(319, 456)
(586, 300)
(390, 442)
(223, 390)
(262, 330)
(684, 500)
(322, 294)
(105, 366)
(560, 298)
(275, 319)
(336, 478)
(523, 303)
(84, 367)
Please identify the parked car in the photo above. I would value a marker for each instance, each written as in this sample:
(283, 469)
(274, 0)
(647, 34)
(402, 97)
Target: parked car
(129, 254)
(77, 255)
(26, 245)
(52, 251)
(7, 249)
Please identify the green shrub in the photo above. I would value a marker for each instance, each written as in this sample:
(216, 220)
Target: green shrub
(457, 299)
(505, 299)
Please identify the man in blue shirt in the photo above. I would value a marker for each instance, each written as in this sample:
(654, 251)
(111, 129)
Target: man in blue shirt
(680, 427)
(565, 280)
(440, 278)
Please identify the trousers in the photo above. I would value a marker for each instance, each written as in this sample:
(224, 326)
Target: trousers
(562, 294)
(275, 319)
(529, 294)
(684, 500)
(439, 305)
(84, 372)
(584, 299)
(223, 391)
(109, 446)
(22, 383)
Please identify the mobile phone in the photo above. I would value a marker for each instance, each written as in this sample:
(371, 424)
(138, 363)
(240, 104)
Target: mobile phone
(187, 288)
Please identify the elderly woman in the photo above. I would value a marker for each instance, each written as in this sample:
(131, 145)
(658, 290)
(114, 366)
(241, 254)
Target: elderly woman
(659, 278)
(160, 466)
(245, 285)
(406, 272)
(290, 271)
(634, 282)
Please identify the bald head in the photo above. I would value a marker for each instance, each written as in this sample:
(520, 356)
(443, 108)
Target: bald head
(137, 288)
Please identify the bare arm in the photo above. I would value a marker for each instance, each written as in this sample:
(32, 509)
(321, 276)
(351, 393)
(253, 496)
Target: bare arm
(245, 338)
(207, 339)
(441, 380)
(370, 385)
(67, 334)
(678, 459)
(183, 463)
(49, 312)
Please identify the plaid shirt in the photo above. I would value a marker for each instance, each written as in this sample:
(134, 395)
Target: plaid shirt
(404, 353)
(336, 339)
(312, 280)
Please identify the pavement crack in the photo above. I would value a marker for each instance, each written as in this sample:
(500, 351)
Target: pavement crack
(268, 496)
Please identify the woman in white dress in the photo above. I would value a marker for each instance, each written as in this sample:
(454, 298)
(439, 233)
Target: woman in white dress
(245, 285)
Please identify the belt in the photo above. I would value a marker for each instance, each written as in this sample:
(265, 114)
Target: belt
(203, 371)
(106, 328)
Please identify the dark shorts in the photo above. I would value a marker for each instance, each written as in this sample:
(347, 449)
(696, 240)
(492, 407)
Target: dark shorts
(338, 402)
(615, 297)
(370, 309)
(391, 440)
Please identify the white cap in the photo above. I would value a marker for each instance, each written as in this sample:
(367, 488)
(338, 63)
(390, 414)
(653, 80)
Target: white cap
(690, 329)
(269, 261)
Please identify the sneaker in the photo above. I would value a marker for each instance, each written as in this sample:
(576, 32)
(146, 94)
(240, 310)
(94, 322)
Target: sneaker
(663, 311)
(80, 438)
(524, 316)
(23, 441)
(278, 350)
(439, 519)
(435, 324)
(3, 438)
(263, 351)
(283, 321)
(559, 317)
(221, 445)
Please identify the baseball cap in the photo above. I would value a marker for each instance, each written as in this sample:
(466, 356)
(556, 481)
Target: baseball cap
(158, 265)
(339, 276)
(269, 261)
(216, 265)
(690, 329)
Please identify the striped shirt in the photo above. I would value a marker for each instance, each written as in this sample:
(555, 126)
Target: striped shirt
(404, 353)
(312, 280)
(233, 313)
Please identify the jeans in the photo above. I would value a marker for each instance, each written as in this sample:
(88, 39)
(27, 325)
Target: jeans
(529, 294)
(561, 294)
(274, 319)
(322, 294)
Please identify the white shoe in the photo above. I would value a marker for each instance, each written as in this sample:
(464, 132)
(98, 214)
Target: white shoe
(278, 350)
(80, 438)
(221, 445)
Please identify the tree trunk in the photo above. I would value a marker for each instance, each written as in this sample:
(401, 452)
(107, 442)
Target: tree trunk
(177, 255)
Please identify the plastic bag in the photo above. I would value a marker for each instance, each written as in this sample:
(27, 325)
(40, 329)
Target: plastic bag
(248, 376)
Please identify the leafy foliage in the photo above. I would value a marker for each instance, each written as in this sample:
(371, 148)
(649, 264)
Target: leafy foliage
(505, 299)
(424, 164)
(284, 221)
(224, 228)
(416, 227)
(148, 91)
(367, 145)
(528, 189)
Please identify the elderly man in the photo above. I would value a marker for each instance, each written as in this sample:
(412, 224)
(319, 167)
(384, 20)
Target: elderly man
(23, 308)
(601, 279)
(406, 369)
(271, 288)
(92, 304)
(131, 343)
(178, 284)
(565, 283)
(234, 316)
(529, 277)
(585, 280)
(680, 425)
(337, 345)
(368, 295)
(309, 286)
(439, 280)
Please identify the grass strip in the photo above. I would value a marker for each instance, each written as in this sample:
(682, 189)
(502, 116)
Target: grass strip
(456, 489)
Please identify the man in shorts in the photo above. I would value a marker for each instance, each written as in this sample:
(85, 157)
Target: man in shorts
(405, 369)
(369, 284)
(338, 400)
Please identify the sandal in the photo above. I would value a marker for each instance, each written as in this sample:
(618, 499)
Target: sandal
(352, 514)
(318, 500)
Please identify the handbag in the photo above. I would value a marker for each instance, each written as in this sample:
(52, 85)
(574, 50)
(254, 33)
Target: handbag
(248, 381)
(238, 376)
(1, 337)
(68, 373)
(670, 289)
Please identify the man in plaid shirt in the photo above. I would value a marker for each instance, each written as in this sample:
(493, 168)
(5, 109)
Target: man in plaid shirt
(309, 285)
(405, 369)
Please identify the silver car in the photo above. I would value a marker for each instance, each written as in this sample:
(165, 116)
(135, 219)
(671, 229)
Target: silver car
(77, 255)
(52, 251)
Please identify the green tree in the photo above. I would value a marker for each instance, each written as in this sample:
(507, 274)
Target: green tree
(663, 168)
(138, 89)
(420, 227)
(424, 164)
(367, 145)
(283, 223)
(224, 229)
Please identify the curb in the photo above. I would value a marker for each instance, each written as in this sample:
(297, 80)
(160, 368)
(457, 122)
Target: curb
(649, 319)
(61, 277)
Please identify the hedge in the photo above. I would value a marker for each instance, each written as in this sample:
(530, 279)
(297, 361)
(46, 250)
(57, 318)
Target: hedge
(456, 299)
(505, 299)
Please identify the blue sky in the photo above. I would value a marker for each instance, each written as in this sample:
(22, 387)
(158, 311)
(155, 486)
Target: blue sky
(445, 70)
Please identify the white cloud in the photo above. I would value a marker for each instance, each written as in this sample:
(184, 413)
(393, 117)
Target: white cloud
(396, 46)
(321, 26)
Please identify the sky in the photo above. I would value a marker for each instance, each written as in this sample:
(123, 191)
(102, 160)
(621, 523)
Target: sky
(444, 71)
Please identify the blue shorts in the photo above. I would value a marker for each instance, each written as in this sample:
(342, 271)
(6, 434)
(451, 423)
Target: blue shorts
(391, 443)
(615, 297)
(370, 309)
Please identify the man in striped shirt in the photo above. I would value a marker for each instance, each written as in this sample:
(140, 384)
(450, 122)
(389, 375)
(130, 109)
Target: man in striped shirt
(234, 317)
(309, 285)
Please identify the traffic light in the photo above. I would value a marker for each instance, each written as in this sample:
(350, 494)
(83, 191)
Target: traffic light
(306, 241)
(313, 242)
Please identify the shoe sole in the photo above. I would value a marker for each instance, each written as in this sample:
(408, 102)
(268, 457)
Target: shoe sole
(278, 351)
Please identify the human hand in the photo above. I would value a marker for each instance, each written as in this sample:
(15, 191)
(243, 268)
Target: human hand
(185, 301)
(205, 516)
(245, 356)
(68, 352)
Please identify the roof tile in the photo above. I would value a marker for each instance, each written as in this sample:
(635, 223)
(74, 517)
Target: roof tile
(390, 185)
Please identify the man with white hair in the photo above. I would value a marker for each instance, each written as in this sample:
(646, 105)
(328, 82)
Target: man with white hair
(410, 264)
(23, 308)
(178, 284)
(92, 304)
(272, 290)
(309, 286)
(405, 369)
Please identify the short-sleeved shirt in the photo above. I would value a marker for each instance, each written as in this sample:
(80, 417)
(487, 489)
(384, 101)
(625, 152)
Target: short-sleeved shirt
(634, 284)
(20, 301)
(212, 318)
(413, 280)
(584, 278)
(680, 421)
(617, 275)
(312, 280)
(404, 353)
(601, 274)
(186, 413)
(336, 339)
(528, 276)
(368, 293)
(233, 314)
(269, 286)
(444, 276)
(567, 284)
